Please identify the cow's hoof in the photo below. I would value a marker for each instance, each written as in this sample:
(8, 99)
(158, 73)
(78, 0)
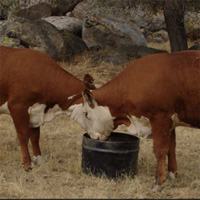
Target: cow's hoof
(156, 188)
(38, 160)
(28, 169)
(172, 175)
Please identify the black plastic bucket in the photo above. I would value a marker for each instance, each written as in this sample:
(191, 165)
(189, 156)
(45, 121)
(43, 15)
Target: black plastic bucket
(114, 157)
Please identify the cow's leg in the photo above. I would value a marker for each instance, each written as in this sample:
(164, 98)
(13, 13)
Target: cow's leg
(21, 121)
(35, 137)
(172, 165)
(161, 126)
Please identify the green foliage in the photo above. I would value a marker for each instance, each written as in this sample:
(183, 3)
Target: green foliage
(8, 41)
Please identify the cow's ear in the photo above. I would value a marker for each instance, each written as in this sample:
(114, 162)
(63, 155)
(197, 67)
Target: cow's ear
(88, 98)
(89, 82)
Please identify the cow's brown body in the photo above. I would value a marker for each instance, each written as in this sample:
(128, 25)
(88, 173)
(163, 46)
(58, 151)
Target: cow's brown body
(163, 83)
(29, 77)
(156, 87)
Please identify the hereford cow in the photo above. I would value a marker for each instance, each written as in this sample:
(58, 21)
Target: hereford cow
(154, 94)
(33, 90)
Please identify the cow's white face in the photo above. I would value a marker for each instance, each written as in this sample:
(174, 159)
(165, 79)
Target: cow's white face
(96, 120)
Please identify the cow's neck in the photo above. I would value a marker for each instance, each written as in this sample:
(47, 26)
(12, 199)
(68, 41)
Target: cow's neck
(113, 95)
(58, 99)
(62, 90)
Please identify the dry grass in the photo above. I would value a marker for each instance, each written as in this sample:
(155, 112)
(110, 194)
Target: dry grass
(61, 175)
(166, 45)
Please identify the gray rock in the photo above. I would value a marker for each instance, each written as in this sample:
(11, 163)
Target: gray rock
(158, 37)
(134, 51)
(138, 15)
(82, 9)
(110, 31)
(61, 7)
(123, 54)
(37, 34)
(35, 11)
(192, 25)
(157, 23)
(66, 24)
(74, 45)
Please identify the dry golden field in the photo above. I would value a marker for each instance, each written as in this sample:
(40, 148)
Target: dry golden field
(61, 175)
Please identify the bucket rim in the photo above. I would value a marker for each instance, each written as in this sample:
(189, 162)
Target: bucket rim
(136, 139)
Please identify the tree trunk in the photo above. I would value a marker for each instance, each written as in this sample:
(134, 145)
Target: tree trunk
(174, 18)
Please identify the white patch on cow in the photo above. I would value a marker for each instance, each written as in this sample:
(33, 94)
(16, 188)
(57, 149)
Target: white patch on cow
(156, 188)
(97, 121)
(38, 117)
(142, 127)
(172, 175)
(77, 113)
(39, 160)
(98, 85)
(32, 165)
(177, 122)
(71, 97)
(139, 126)
(4, 109)
(36, 114)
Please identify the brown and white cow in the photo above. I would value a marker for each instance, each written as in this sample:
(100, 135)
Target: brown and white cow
(154, 94)
(33, 90)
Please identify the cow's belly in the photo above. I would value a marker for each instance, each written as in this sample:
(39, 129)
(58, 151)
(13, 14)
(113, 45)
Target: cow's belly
(141, 126)
(38, 116)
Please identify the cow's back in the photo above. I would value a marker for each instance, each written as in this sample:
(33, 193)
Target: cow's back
(23, 62)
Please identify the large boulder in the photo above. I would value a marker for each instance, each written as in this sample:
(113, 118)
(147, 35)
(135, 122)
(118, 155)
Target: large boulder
(122, 54)
(111, 31)
(37, 34)
(82, 9)
(61, 7)
(35, 11)
(157, 23)
(74, 44)
(66, 24)
(42, 36)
